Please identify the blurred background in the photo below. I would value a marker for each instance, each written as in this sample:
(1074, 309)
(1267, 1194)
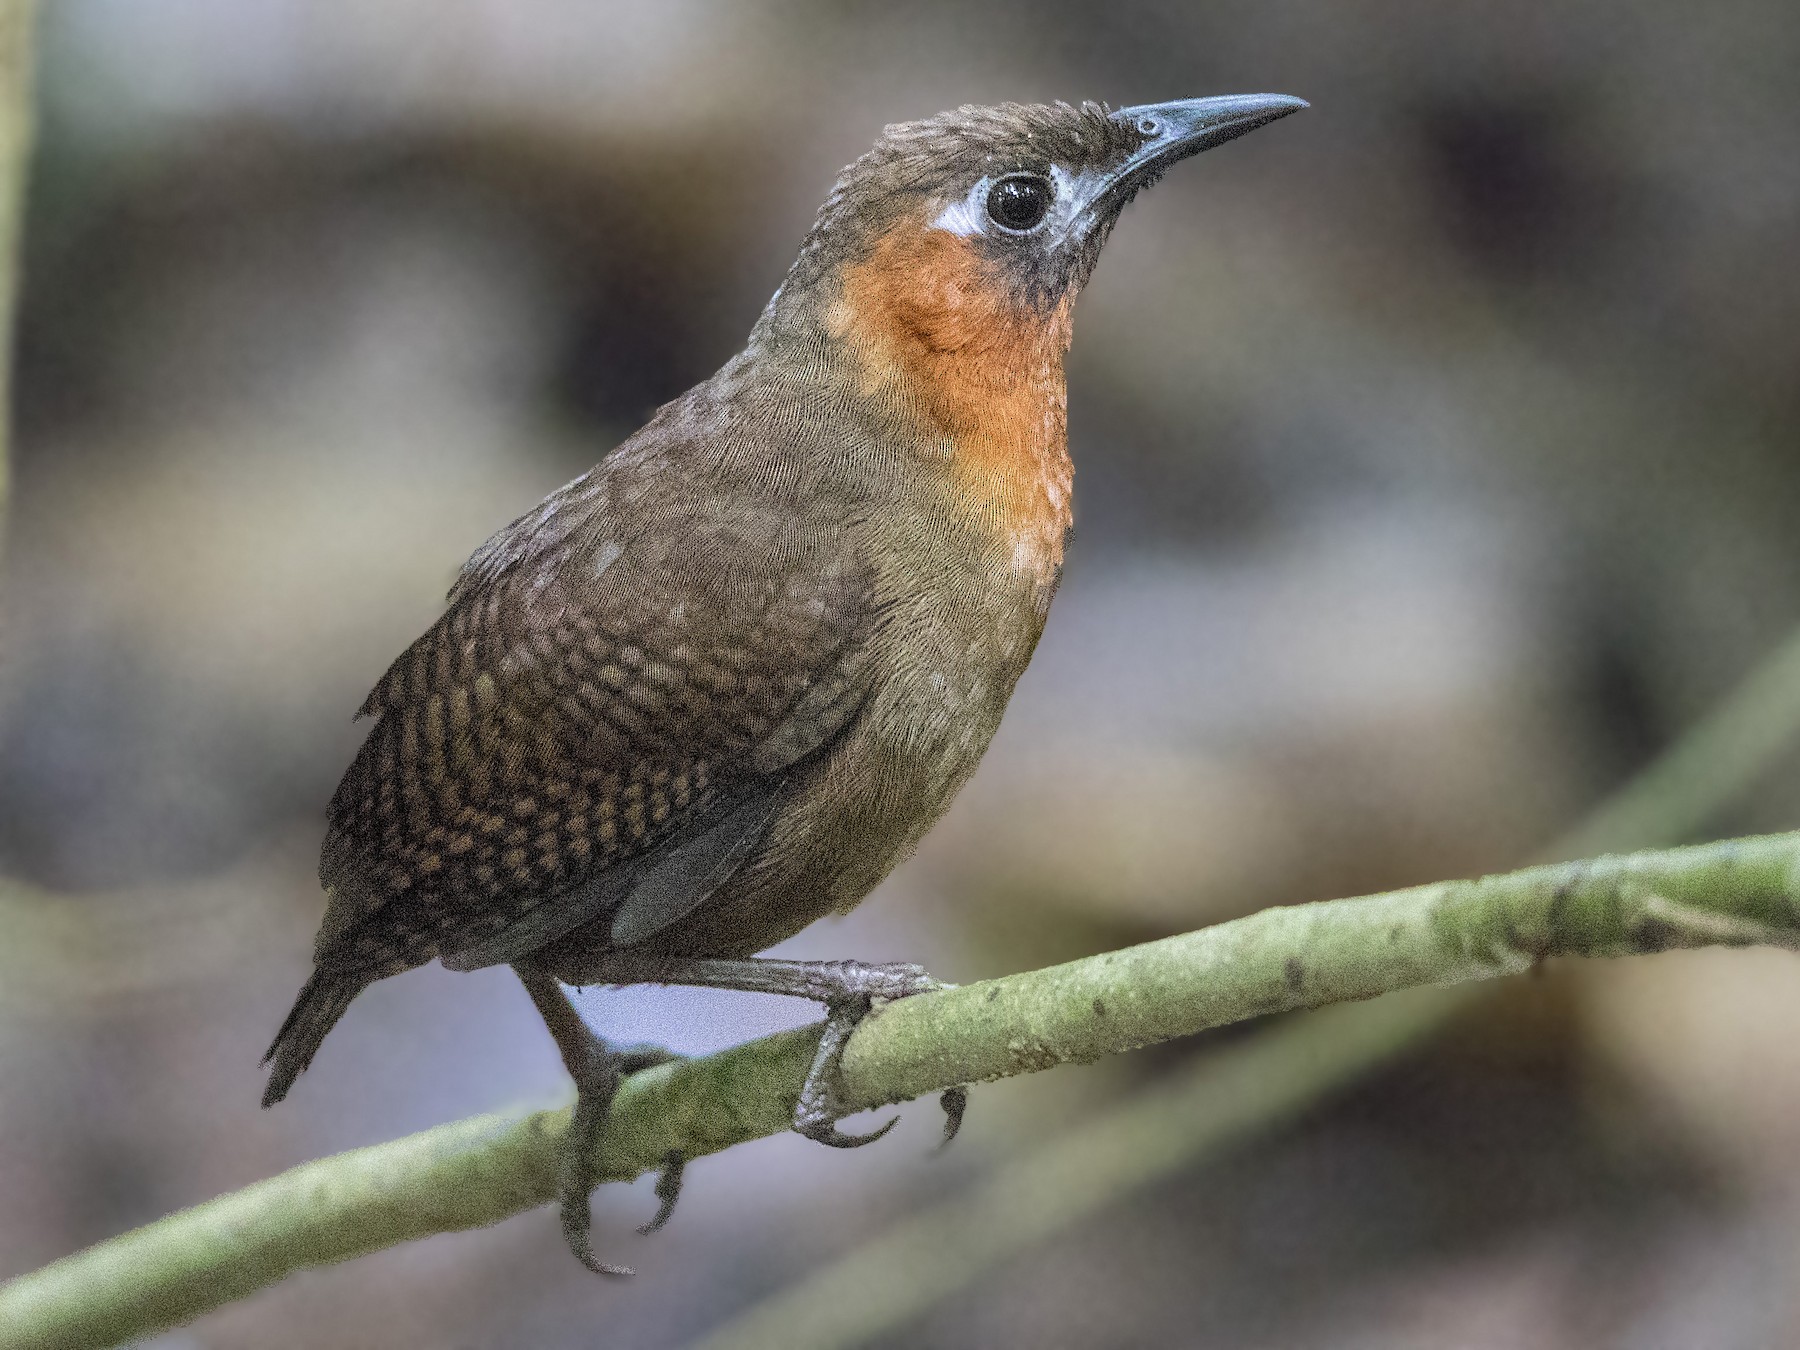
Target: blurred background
(1436, 465)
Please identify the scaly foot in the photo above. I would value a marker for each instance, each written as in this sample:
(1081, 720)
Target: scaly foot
(848, 989)
(577, 1172)
(597, 1069)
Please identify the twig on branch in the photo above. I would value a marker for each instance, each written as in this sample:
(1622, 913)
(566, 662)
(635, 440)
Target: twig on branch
(477, 1172)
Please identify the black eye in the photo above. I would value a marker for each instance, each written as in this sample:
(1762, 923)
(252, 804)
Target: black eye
(1019, 203)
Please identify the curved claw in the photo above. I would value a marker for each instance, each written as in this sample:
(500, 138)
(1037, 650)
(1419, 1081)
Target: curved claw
(596, 1086)
(827, 1132)
(955, 1101)
(575, 1182)
(668, 1191)
(585, 1255)
(575, 1220)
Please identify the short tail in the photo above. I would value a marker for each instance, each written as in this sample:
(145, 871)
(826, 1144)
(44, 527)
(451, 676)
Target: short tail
(326, 995)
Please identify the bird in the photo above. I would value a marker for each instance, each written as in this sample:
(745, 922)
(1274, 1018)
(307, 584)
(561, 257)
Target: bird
(720, 685)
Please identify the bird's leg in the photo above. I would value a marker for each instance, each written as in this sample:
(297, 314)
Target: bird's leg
(848, 989)
(597, 1069)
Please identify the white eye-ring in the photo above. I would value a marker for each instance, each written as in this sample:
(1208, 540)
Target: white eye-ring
(1009, 204)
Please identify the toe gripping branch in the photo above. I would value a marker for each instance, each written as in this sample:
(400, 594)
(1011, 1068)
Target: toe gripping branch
(820, 1104)
(849, 991)
(578, 1169)
(597, 1069)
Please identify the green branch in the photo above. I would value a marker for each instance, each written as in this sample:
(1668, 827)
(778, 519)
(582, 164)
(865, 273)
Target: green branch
(478, 1172)
(897, 1274)
(1208, 1104)
(1734, 894)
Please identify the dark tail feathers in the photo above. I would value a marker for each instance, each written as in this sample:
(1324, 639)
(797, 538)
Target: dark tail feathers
(316, 1011)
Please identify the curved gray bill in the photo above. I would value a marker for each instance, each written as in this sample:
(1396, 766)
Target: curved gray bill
(1188, 126)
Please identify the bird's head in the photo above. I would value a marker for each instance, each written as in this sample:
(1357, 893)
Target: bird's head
(936, 290)
(974, 230)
